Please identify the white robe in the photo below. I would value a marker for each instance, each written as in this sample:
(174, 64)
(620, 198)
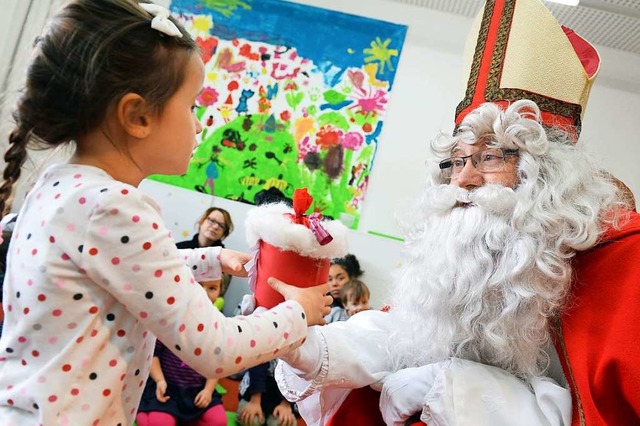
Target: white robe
(351, 354)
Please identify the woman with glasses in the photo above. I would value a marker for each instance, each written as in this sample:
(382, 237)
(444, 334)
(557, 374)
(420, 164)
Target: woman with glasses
(214, 226)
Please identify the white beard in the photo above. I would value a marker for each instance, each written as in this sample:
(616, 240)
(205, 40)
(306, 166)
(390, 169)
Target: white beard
(475, 286)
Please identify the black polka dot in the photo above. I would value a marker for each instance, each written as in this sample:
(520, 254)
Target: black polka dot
(124, 240)
(110, 317)
(80, 248)
(195, 267)
(239, 329)
(18, 294)
(10, 350)
(93, 376)
(304, 316)
(29, 236)
(178, 348)
(56, 183)
(137, 372)
(275, 324)
(77, 296)
(104, 189)
(149, 295)
(36, 406)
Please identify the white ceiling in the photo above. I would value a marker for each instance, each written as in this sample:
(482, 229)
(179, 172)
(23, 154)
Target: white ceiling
(611, 23)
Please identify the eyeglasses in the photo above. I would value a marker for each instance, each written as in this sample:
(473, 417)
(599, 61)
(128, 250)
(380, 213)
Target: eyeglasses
(220, 225)
(488, 160)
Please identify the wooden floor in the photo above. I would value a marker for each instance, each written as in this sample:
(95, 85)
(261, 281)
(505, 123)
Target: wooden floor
(230, 399)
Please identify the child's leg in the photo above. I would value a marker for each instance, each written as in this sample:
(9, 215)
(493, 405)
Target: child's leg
(155, 418)
(214, 416)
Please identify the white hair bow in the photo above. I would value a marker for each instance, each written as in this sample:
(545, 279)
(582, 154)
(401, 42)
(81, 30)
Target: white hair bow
(161, 20)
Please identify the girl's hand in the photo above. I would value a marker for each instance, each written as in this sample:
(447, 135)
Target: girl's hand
(314, 300)
(203, 398)
(233, 262)
(161, 390)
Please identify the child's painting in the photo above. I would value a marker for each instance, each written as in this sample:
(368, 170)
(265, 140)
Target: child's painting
(294, 96)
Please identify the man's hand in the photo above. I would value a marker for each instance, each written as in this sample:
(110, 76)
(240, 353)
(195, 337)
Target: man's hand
(249, 413)
(161, 390)
(284, 414)
(403, 392)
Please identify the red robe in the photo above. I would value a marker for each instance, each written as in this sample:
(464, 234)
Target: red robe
(599, 337)
(599, 331)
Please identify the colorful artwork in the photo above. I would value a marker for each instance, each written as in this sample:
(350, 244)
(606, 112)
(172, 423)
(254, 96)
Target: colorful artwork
(294, 96)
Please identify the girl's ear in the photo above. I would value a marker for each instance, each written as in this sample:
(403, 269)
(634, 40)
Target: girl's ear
(134, 116)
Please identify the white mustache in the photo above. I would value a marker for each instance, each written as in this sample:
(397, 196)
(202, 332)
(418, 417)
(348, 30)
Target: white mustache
(494, 198)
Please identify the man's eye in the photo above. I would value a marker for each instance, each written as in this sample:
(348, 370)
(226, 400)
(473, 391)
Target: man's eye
(458, 162)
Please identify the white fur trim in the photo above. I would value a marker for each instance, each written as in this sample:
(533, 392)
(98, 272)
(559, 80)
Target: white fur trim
(269, 223)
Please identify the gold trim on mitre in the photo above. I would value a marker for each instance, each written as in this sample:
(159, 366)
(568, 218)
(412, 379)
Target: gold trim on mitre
(521, 52)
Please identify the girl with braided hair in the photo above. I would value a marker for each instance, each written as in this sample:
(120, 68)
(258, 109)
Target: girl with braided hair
(93, 274)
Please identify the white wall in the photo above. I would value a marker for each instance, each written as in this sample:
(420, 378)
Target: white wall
(427, 88)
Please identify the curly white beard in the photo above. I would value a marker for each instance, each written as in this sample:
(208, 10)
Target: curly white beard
(473, 286)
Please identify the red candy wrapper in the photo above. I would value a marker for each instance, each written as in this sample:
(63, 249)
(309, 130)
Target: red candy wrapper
(291, 246)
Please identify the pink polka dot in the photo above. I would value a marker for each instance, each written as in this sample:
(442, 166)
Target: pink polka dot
(127, 287)
(75, 391)
(57, 196)
(82, 200)
(85, 407)
(135, 268)
(286, 336)
(114, 211)
(52, 398)
(229, 341)
(182, 328)
(34, 252)
(57, 312)
(158, 273)
(115, 261)
(113, 363)
(136, 218)
(143, 315)
(219, 370)
(252, 343)
(163, 322)
(22, 339)
(72, 325)
(77, 176)
(71, 227)
(103, 230)
(59, 282)
(42, 379)
(65, 256)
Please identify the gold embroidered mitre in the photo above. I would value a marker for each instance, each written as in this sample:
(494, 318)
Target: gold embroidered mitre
(517, 50)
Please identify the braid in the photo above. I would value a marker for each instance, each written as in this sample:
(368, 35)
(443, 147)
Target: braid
(14, 157)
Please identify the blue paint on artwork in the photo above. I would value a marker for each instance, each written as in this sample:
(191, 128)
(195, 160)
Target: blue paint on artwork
(322, 35)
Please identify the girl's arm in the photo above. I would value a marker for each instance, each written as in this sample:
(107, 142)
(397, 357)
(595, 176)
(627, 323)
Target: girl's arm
(129, 252)
(158, 376)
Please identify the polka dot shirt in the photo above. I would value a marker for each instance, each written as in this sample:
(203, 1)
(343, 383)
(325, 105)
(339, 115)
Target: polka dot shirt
(93, 275)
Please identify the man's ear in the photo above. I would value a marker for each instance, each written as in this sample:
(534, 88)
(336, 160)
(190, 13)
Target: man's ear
(134, 115)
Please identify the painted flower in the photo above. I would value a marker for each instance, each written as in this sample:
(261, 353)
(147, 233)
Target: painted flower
(352, 141)
(209, 96)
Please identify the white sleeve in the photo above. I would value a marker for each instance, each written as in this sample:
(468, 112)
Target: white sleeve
(138, 264)
(334, 359)
(469, 393)
(204, 262)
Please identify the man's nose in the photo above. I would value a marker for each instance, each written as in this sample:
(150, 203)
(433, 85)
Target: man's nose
(469, 177)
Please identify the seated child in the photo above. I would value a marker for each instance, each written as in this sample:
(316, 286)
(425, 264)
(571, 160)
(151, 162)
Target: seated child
(261, 402)
(174, 392)
(355, 297)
